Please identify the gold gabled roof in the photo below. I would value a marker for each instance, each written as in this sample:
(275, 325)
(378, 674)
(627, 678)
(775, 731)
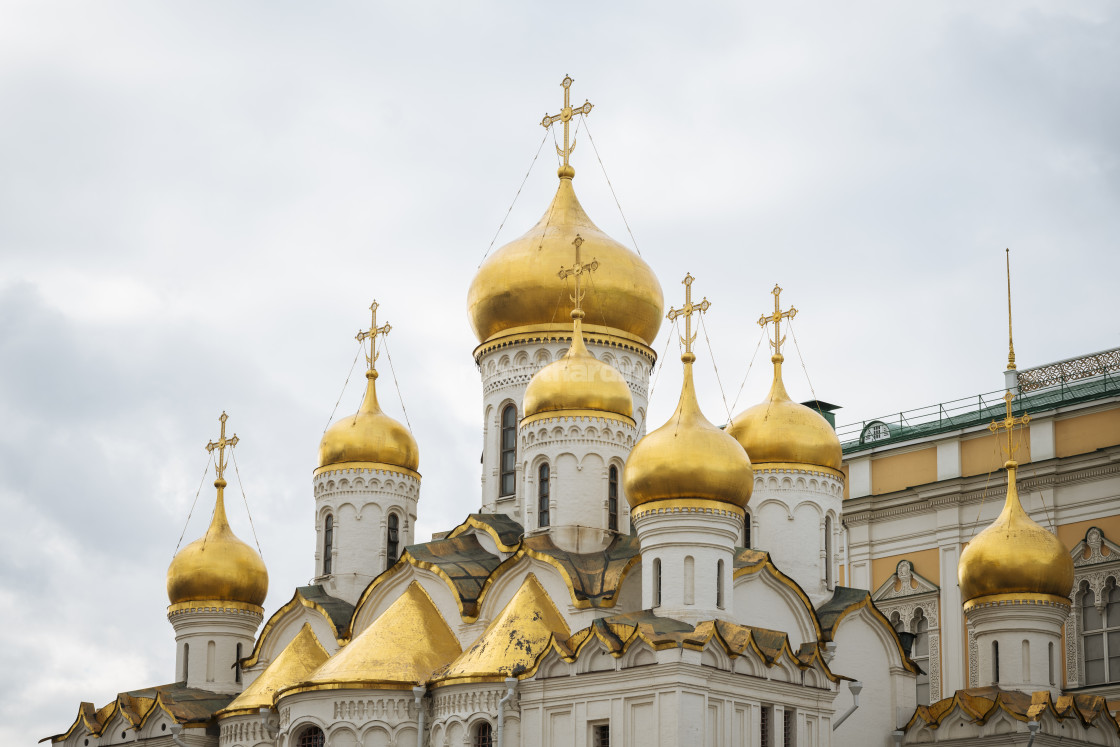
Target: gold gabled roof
(513, 643)
(302, 656)
(400, 649)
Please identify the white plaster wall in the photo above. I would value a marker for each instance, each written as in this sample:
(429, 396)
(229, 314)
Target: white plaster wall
(865, 652)
(1025, 632)
(763, 601)
(225, 628)
(506, 371)
(790, 508)
(360, 499)
(370, 718)
(690, 545)
(579, 451)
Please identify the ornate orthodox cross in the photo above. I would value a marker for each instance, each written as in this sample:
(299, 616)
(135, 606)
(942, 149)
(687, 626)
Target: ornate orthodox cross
(1009, 422)
(776, 318)
(221, 445)
(565, 116)
(578, 269)
(371, 335)
(687, 311)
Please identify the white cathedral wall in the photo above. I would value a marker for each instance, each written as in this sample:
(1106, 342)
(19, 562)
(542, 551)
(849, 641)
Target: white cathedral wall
(670, 698)
(360, 500)
(791, 509)
(244, 731)
(579, 450)
(206, 641)
(506, 371)
(349, 718)
(764, 602)
(865, 652)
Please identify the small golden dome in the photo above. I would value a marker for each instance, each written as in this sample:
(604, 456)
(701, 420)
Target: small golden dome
(369, 436)
(218, 567)
(578, 381)
(688, 457)
(1015, 556)
(779, 430)
(516, 290)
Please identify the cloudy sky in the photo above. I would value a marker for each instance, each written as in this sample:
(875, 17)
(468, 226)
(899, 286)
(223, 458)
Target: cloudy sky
(198, 201)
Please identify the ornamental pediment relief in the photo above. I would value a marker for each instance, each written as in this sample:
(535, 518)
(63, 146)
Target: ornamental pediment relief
(1094, 550)
(905, 582)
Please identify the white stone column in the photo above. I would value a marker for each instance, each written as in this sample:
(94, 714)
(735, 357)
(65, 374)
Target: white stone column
(206, 638)
(692, 544)
(1028, 635)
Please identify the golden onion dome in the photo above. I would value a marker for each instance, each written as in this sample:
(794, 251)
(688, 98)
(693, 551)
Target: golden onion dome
(218, 567)
(1015, 556)
(515, 290)
(688, 458)
(578, 381)
(779, 430)
(369, 436)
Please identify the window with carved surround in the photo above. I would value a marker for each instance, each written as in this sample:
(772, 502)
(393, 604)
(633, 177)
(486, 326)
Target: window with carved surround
(1092, 630)
(911, 603)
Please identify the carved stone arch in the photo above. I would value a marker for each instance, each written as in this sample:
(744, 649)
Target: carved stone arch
(785, 670)
(813, 677)
(814, 505)
(638, 655)
(491, 367)
(748, 664)
(503, 362)
(573, 431)
(326, 508)
(786, 482)
(557, 432)
(607, 358)
(543, 357)
(330, 485)
(344, 484)
(553, 666)
(359, 483)
(338, 732)
(591, 432)
(775, 502)
(521, 359)
(594, 658)
(714, 656)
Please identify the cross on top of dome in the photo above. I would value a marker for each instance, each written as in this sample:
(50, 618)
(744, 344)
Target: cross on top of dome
(776, 319)
(565, 116)
(371, 335)
(221, 445)
(687, 311)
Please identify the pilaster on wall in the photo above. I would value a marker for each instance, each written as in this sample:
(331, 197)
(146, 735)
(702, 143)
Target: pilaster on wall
(859, 477)
(952, 636)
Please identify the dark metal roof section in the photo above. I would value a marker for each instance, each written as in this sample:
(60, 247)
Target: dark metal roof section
(462, 561)
(340, 611)
(595, 576)
(831, 611)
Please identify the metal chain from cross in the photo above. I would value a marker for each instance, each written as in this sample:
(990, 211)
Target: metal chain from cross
(1008, 423)
(565, 116)
(776, 319)
(371, 335)
(687, 311)
(220, 445)
(577, 270)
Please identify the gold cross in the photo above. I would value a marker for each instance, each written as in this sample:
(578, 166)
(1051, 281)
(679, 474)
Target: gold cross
(776, 318)
(221, 445)
(1009, 422)
(371, 335)
(565, 116)
(687, 311)
(578, 269)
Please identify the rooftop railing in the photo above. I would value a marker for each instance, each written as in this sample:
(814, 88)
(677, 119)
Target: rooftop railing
(1043, 387)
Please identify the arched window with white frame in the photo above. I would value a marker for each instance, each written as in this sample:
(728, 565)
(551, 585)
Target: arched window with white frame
(392, 539)
(543, 476)
(328, 544)
(1100, 635)
(507, 481)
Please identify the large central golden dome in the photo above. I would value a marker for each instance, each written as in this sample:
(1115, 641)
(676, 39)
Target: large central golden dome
(515, 290)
